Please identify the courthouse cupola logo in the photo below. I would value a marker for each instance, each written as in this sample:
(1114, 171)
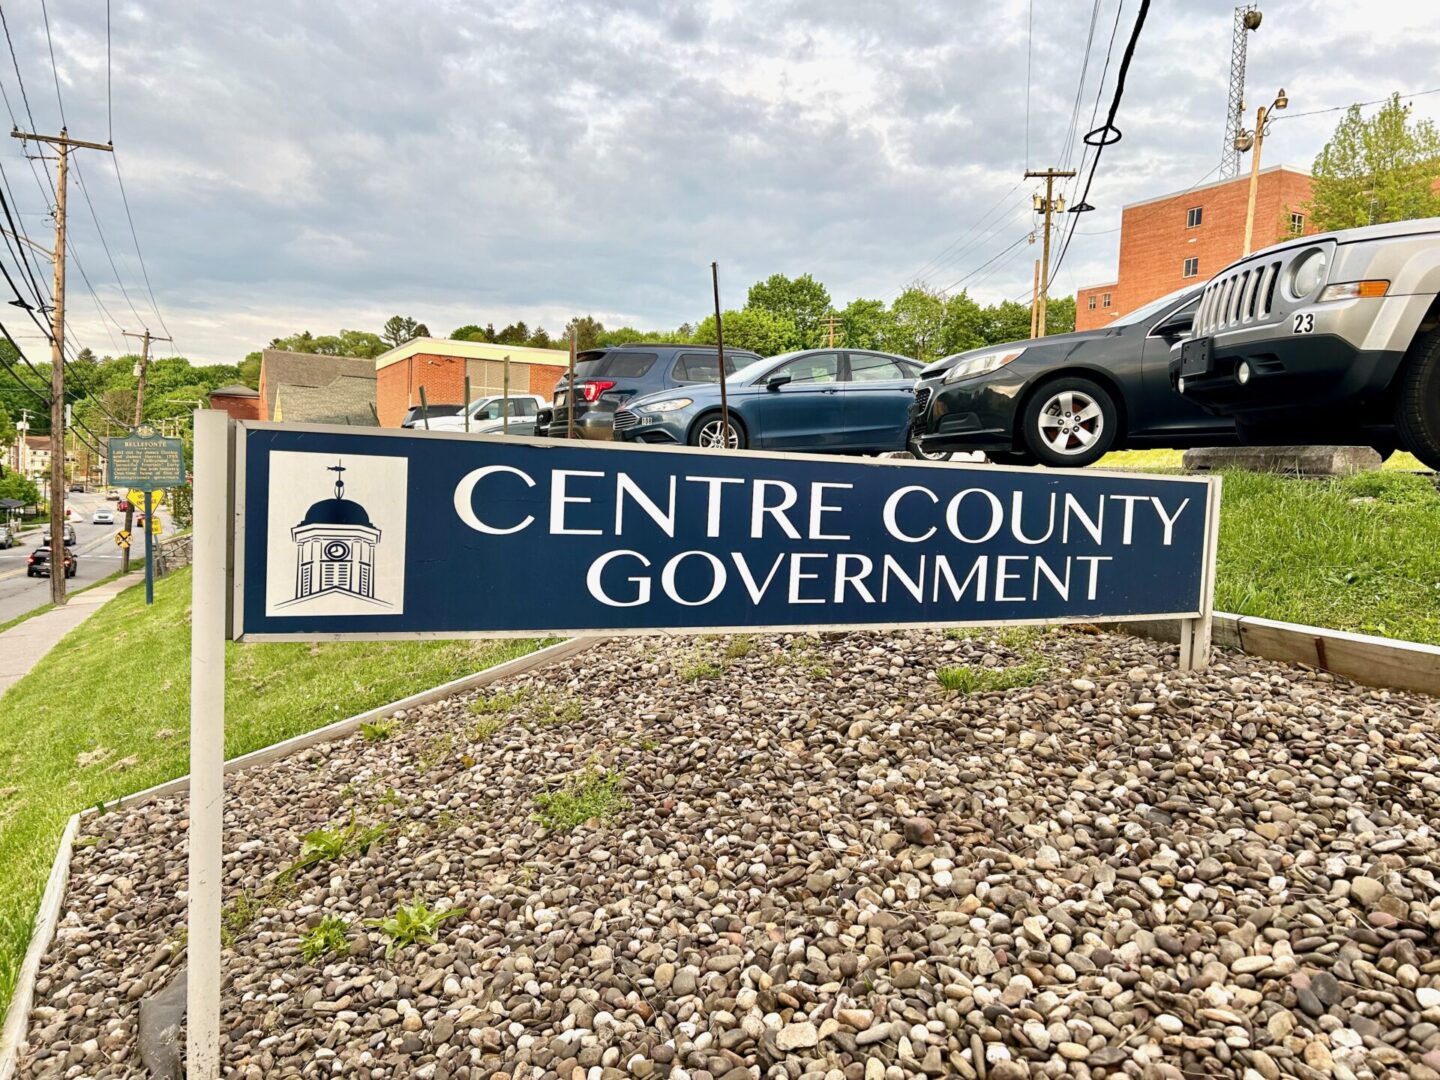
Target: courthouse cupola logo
(335, 548)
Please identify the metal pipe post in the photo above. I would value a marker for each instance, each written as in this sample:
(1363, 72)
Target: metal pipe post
(720, 359)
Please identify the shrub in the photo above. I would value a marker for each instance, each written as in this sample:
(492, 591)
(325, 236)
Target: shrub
(378, 731)
(964, 679)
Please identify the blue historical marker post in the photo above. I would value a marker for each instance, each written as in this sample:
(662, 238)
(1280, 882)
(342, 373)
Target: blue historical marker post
(324, 533)
(145, 461)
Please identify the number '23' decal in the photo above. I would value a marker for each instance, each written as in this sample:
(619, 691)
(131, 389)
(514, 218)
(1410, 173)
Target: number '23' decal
(1304, 323)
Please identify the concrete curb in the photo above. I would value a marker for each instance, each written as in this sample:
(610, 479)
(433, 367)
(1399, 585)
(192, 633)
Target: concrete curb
(17, 1019)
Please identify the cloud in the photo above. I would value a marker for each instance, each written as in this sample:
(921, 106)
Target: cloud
(326, 165)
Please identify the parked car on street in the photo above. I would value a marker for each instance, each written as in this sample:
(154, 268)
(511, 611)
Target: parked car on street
(69, 533)
(1067, 400)
(414, 416)
(607, 379)
(7, 537)
(819, 400)
(39, 563)
(102, 517)
(112, 496)
(1331, 339)
(487, 415)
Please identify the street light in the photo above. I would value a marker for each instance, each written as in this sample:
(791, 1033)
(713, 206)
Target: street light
(1244, 140)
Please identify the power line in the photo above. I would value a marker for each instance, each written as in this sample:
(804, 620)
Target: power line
(1024, 237)
(53, 66)
(926, 266)
(1029, 47)
(145, 273)
(1354, 105)
(1108, 133)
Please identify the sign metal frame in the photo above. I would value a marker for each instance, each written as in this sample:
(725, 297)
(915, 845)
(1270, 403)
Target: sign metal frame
(218, 584)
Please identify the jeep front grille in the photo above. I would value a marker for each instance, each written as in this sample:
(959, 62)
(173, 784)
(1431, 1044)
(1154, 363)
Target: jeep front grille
(1240, 297)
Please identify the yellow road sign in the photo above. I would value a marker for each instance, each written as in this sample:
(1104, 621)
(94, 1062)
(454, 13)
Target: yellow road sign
(136, 498)
(122, 538)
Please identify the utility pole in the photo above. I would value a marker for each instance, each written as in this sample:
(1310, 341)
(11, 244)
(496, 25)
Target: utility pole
(1049, 206)
(830, 321)
(140, 370)
(64, 144)
(1245, 141)
(1034, 297)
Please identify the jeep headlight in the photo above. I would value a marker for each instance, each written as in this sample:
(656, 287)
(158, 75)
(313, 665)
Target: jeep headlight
(1307, 274)
(668, 406)
(982, 364)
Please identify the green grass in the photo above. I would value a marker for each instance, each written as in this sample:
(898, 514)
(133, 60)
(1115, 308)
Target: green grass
(1169, 460)
(591, 794)
(963, 679)
(1357, 553)
(118, 687)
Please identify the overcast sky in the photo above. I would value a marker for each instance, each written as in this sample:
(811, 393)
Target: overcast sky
(321, 165)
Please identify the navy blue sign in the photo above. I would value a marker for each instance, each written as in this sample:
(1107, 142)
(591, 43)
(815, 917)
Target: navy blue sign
(380, 534)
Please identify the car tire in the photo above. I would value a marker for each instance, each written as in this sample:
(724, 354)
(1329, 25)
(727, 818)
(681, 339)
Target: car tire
(705, 432)
(912, 444)
(1417, 405)
(1070, 423)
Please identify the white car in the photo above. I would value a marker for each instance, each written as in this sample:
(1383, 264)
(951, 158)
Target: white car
(102, 517)
(487, 415)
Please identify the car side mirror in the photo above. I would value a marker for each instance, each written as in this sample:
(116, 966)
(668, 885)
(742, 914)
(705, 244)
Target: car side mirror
(776, 381)
(1175, 327)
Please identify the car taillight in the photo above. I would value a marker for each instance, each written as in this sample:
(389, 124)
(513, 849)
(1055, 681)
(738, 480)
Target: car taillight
(592, 390)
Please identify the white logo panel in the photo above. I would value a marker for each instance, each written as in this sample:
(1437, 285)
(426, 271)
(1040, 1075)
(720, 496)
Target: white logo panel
(335, 537)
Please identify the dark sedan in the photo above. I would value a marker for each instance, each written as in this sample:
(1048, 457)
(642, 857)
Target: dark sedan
(844, 401)
(1069, 399)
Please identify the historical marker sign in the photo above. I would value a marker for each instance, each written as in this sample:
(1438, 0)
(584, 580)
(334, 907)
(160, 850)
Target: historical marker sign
(395, 535)
(145, 461)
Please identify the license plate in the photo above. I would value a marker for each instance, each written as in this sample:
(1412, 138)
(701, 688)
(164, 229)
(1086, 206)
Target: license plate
(560, 399)
(1196, 357)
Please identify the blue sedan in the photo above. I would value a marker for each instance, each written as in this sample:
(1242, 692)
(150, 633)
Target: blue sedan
(844, 401)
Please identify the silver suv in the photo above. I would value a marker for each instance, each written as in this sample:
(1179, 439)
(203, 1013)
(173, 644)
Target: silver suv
(1330, 339)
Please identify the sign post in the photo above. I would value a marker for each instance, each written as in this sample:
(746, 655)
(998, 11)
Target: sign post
(207, 741)
(145, 461)
(344, 534)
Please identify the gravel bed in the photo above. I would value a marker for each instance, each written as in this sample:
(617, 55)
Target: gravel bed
(821, 864)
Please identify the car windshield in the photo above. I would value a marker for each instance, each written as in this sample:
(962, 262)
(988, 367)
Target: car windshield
(1155, 307)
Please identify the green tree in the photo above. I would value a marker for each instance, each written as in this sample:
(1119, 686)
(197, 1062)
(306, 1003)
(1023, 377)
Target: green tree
(802, 300)
(1007, 321)
(250, 370)
(360, 343)
(866, 324)
(399, 329)
(473, 332)
(15, 486)
(962, 327)
(540, 339)
(7, 426)
(754, 329)
(917, 320)
(587, 332)
(1060, 315)
(1376, 170)
(516, 333)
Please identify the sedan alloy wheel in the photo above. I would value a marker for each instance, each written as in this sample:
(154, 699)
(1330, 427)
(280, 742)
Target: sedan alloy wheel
(708, 435)
(1071, 422)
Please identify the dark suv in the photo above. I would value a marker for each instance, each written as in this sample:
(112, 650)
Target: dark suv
(607, 378)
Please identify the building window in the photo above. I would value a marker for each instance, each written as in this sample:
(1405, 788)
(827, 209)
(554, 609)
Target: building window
(1194, 216)
(1192, 267)
(1092, 301)
(1105, 300)
(1297, 224)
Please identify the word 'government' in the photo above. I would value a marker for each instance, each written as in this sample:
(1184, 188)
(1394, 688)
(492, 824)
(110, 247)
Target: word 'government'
(933, 536)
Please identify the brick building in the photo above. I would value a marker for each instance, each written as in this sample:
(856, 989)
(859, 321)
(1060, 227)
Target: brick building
(441, 366)
(240, 402)
(1184, 239)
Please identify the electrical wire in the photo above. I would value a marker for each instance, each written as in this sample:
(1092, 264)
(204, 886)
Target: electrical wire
(45, 11)
(1102, 134)
(1029, 47)
(1024, 237)
(934, 261)
(144, 272)
(1353, 105)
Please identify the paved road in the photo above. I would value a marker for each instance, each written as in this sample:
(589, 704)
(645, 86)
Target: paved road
(96, 550)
